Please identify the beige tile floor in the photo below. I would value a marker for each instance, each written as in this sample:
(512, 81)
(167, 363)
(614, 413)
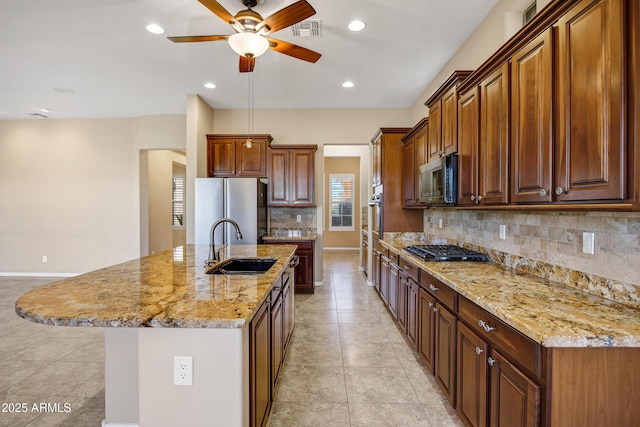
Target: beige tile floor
(348, 365)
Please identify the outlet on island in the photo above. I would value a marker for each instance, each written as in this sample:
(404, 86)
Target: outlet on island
(183, 370)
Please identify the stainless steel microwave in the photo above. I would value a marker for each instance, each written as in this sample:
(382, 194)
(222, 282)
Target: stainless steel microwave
(439, 181)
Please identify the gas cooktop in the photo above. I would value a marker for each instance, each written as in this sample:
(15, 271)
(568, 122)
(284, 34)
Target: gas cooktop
(445, 253)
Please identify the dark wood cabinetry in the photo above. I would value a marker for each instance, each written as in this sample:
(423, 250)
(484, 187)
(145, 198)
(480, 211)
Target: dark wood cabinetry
(303, 272)
(591, 144)
(388, 152)
(426, 329)
(414, 155)
(472, 385)
(494, 138)
(468, 146)
(229, 156)
(443, 117)
(531, 125)
(445, 351)
(291, 171)
(277, 337)
(260, 365)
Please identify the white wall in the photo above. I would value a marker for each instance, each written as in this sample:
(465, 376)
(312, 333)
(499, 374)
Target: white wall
(69, 189)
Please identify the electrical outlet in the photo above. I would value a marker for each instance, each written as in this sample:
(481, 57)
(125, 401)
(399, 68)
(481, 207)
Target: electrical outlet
(299, 218)
(588, 242)
(183, 370)
(439, 222)
(503, 231)
(44, 258)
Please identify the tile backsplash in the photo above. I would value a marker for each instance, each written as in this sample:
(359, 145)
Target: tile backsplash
(549, 244)
(286, 218)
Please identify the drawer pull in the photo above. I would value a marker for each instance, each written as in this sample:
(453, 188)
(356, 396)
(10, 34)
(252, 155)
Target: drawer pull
(478, 350)
(430, 304)
(491, 361)
(406, 267)
(487, 327)
(435, 310)
(433, 288)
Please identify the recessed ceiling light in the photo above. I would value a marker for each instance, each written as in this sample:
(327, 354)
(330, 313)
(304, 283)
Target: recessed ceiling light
(155, 29)
(347, 84)
(209, 85)
(356, 25)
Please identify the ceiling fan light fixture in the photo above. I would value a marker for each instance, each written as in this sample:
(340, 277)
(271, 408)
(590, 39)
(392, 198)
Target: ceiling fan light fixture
(248, 44)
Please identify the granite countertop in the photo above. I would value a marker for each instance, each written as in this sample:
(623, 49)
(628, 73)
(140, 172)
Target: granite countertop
(551, 314)
(166, 290)
(291, 235)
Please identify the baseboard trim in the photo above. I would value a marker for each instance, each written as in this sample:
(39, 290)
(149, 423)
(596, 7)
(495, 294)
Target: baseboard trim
(106, 424)
(26, 274)
(341, 249)
(320, 283)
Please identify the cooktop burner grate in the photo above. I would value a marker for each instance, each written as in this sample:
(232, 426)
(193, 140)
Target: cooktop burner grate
(445, 253)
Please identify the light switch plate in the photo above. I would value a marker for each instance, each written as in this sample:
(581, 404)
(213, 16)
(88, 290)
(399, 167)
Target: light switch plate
(503, 231)
(588, 242)
(439, 222)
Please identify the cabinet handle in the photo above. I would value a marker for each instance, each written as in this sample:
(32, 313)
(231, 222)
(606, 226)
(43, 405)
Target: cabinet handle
(560, 190)
(487, 327)
(491, 361)
(473, 198)
(435, 310)
(480, 198)
(430, 304)
(478, 350)
(406, 267)
(543, 192)
(433, 288)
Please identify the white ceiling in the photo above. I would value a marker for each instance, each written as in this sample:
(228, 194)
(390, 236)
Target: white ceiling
(101, 51)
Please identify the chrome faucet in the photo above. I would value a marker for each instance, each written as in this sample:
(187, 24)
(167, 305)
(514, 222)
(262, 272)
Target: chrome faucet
(213, 255)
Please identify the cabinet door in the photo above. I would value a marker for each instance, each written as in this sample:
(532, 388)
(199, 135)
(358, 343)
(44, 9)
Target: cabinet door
(531, 127)
(514, 398)
(221, 159)
(435, 131)
(304, 271)
(421, 142)
(288, 310)
(427, 329)
(277, 340)
(494, 137)
(468, 140)
(251, 161)
(449, 142)
(393, 289)
(302, 179)
(472, 381)
(409, 173)
(375, 268)
(402, 300)
(445, 352)
(384, 279)
(376, 163)
(411, 292)
(278, 177)
(590, 90)
(260, 365)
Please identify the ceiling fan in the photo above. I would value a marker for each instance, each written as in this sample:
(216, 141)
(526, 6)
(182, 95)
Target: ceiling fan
(249, 41)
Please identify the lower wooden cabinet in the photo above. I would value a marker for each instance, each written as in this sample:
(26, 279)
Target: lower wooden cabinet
(303, 273)
(394, 285)
(472, 385)
(277, 339)
(260, 365)
(384, 279)
(445, 351)
(426, 329)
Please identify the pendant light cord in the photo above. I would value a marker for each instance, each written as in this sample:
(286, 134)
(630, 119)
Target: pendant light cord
(250, 106)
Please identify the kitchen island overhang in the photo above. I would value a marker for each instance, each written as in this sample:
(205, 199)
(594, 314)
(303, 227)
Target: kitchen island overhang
(159, 307)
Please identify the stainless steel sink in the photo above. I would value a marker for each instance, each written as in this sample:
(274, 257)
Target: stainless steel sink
(243, 266)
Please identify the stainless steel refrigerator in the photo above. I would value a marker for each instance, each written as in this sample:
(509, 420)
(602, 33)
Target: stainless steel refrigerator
(244, 200)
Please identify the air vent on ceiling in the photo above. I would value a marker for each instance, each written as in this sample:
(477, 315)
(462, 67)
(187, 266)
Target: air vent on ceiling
(307, 28)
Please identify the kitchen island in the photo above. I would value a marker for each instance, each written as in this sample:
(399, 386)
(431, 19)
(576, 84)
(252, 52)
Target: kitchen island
(162, 306)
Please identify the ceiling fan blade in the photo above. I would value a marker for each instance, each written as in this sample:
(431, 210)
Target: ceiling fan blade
(189, 39)
(247, 64)
(287, 16)
(293, 50)
(217, 8)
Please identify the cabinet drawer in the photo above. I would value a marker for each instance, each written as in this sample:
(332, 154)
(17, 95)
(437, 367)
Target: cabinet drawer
(442, 292)
(394, 257)
(382, 249)
(410, 268)
(516, 346)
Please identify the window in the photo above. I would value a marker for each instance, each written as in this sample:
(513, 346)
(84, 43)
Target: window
(177, 203)
(341, 202)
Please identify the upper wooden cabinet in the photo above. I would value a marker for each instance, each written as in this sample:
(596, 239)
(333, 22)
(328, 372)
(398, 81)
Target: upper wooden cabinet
(443, 117)
(414, 155)
(494, 138)
(531, 126)
(591, 144)
(555, 126)
(229, 156)
(291, 172)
